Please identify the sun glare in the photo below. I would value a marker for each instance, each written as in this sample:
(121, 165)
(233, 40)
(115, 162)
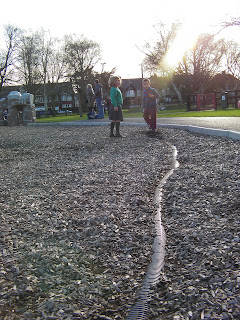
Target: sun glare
(194, 22)
(184, 40)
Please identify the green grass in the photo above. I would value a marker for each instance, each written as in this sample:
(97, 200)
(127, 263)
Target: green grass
(217, 113)
(61, 118)
(183, 113)
(172, 113)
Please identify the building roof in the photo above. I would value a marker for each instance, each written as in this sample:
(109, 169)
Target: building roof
(131, 84)
(61, 87)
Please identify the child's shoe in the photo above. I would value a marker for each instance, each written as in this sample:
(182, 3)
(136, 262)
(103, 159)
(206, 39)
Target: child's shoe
(118, 135)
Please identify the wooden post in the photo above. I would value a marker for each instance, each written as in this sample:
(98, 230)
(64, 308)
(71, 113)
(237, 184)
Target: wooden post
(237, 98)
(79, 101)
(215, 98)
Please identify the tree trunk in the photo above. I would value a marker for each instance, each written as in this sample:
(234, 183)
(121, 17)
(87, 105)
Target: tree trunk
(45, 98)
(80, 103)
(178, 93)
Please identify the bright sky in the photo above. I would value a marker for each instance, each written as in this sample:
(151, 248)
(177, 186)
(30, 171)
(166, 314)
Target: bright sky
(121, 26)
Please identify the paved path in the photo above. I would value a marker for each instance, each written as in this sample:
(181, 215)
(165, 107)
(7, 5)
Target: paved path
(223, 126)
(224, 123)
(228, 127)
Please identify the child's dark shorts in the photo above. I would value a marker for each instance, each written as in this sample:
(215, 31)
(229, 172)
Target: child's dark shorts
(115, 115)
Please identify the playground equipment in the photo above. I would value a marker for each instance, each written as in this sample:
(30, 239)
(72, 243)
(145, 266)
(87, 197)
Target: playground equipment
(17, 109)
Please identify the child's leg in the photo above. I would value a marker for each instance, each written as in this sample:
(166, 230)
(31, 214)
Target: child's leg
(153, 120)
(146, 116)
(112, 128)
(117, 129)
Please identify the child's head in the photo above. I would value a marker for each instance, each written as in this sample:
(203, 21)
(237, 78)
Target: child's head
(114, 81)
(146, 83)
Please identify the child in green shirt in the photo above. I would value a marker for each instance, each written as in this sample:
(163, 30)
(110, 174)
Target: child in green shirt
(115, 111)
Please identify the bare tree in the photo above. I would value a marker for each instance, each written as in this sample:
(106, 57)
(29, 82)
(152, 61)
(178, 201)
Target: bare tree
(233, 22)
(81, 56)
(203, 62)
(197, 67)
(57, 64)
(28, 59)
(154, 61)
(7, 55)
(232, 58)
(233, 50)
(40, 59)
(56, 71)
(46, 51)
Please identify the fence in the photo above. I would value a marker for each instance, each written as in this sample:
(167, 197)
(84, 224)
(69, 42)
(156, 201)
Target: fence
(227, 99)
(206, 101)
(223, 100)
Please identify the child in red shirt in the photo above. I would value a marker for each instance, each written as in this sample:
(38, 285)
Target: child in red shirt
(150, 104)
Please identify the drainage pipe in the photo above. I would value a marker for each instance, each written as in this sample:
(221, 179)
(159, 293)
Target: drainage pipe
(140, 310)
